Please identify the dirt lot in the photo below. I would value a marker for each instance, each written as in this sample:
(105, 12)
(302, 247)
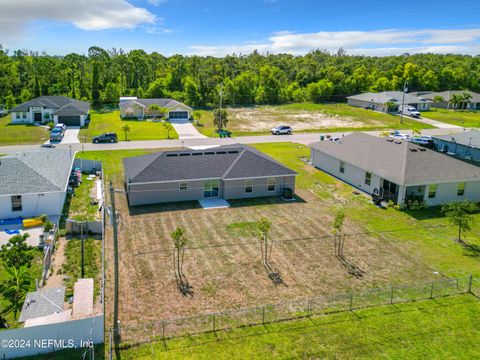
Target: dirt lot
(223, 263)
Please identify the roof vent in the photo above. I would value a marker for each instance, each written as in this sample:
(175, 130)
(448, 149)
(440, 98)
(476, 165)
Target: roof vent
(185, 154)
(398, 142)
(221, 152)
(413, 150)
(210, 153)
(170, 155)
(197, 153)
(422, 149)
(233, 152)
(390, 140)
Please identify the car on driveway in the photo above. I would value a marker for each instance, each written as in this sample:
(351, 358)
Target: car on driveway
(105, 138)
(56, 134)
(409, 111)
(282, 130)
(397, 135)
(61, 126)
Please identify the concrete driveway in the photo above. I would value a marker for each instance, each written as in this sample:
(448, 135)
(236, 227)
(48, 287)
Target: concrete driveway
(186, 130)
(70, 136)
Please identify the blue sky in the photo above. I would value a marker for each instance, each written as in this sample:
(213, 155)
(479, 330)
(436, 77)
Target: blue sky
(220, 27)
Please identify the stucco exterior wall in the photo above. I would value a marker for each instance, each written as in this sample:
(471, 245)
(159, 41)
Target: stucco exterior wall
(352, 175)
(448, 192)
(33, 205)
(235, 189)
(460, 150)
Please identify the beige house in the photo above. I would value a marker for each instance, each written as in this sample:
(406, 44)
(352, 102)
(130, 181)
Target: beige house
(133, 108)
(379, 101)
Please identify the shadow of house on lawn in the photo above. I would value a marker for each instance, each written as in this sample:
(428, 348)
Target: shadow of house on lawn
(163, 207)
(271, 200)
(433, 212)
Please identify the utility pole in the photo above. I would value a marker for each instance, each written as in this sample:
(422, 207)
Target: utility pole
(83, 249)
(403, 101)
(221, 102)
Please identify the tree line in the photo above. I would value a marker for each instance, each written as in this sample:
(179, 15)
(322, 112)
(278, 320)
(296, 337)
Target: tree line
(101, 76)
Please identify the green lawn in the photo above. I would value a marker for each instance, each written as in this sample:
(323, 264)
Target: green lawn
(466, 119)
(79, 207)
(73, 265)
(305, 117)
(21, 134)
(111, 122)
(444, 328)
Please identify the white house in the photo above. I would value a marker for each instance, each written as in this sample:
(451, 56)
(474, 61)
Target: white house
(59, 109)
(34, 182)
(139, 108)
(397, 170)
(446, 96)
(380, 101)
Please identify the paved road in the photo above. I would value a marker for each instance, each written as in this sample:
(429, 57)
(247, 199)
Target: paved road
(306, 138)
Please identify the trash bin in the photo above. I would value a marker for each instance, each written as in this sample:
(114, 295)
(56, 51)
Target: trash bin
(322, 137)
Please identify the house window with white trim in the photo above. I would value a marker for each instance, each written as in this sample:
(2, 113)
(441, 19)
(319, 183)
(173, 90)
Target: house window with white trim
(368, 178)
(271, 184)
(342, 167)
(24, 115)
(461, 189)
(17, 203)
(432, 191)
(248, 186)
(183, 186)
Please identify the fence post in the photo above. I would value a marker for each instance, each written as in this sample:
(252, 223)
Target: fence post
(431, 290)
(110, 345)
(470, 283)
(391, 295)
(351, 300)
(163, 330)
(263, 315)
(309, 307)
(213, 321)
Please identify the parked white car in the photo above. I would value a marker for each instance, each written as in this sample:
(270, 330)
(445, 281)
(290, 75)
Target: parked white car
(398, 135)
(282, 129)
(409, 111)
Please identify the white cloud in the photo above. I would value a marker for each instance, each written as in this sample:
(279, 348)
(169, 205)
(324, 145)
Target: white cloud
(378, 42)
(156, 2)
(84, 14)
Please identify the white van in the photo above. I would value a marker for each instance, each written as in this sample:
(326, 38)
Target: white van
(409, 110)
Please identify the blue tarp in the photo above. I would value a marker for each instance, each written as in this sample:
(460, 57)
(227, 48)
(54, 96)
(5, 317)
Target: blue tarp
(14, 221)
(12, 232)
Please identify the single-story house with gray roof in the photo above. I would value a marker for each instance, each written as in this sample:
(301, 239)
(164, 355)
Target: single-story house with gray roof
(397, 170)
(473, 104)
(464, 145)
(379, 101)
(140, 108)
(228, 172)
(34, 182)
(59, 109)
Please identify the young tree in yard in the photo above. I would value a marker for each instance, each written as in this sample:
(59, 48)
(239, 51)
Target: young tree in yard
(168, 127)
(338, 232)
(197, 115)
(126, 129)
(438, 99)
(466, 99)
(14, 288)
(416, 132)
(180, 241)
(460, 214)
(220, 118)
(264, 226)
(154, 110)
(16, 253)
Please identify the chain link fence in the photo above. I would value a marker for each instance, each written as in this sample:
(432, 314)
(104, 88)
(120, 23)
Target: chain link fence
(290, 310)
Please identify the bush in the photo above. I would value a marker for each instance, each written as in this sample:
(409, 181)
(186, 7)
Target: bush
(416, 205)
(51, 125)
(47, 226)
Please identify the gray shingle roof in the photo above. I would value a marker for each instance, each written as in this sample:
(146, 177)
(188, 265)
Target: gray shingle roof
(386, 96)
(447, 95)
(35, 171)
(42, 303)
(61, 104)
(224, 162)
(467, 138)
(166, 103)
(398, 161)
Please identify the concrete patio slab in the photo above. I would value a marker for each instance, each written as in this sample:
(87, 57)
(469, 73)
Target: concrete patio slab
(214, 203)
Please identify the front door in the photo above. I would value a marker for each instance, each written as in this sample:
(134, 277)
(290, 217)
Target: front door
(210, 188)
(38, 117)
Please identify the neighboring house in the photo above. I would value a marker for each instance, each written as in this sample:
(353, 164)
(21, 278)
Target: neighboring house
(397, 170)
(139, 108)
(42, 303)
(59, 109)
(228, 172)
(34, 182)
(474, 103)
(464, 145)
(379, 101)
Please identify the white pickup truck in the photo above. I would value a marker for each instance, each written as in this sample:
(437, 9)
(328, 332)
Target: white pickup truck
(409, 110)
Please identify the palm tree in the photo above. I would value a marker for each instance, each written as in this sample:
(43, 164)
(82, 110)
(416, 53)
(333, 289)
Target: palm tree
(156, 110)
(14, 288)
(456, 100)
(220, 118)
(466, 98)
(438, 99)
(168, 127)
(126, 129)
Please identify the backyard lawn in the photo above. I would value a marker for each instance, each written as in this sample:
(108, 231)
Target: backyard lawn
(444, 328)
(466, 119)
(111, 122)
(78, 205)
(21, 134)
(305, 117)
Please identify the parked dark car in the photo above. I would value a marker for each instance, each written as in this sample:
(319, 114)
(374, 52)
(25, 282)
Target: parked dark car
(56, 134)
(107, 137)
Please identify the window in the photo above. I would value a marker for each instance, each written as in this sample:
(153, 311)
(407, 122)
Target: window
(461, 189)
(183, 186)
(342, 167)
(248, 186)
(17, 203)
(368, 178)
(24, 115)
(432, 191)
(271, 184)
